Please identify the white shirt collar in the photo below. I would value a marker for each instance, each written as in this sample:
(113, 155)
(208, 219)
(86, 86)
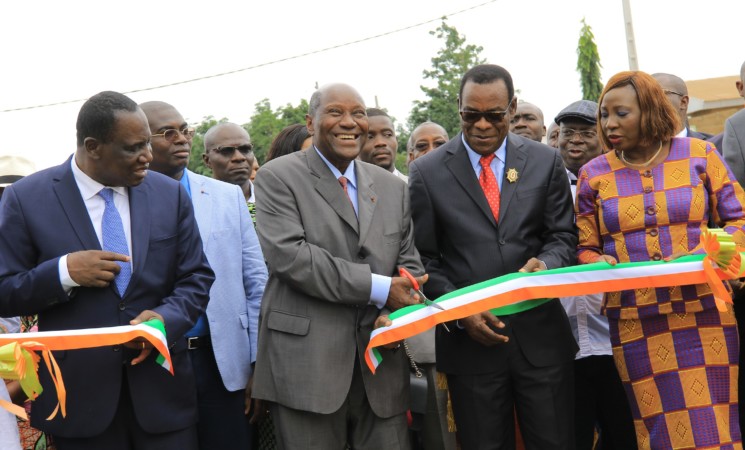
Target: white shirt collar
(349, 173)
(475, 158)
(89, 187)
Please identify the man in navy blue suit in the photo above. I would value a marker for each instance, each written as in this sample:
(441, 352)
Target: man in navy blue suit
(98, 242)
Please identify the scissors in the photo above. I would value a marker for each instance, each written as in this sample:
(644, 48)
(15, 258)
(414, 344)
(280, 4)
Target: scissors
(405, 273)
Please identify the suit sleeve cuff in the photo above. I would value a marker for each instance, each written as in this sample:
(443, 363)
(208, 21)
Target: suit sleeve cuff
(64, 276)
(381, 286)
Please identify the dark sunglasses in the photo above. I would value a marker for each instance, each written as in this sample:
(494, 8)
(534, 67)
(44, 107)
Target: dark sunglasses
(228, 150)
(490, 116)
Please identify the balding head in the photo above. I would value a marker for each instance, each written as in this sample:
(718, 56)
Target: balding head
(528, 122)
(677, 92)
(216, 133)
(171, 141)
(741, 84)
(229, 153)
(425, 138)
(338, 122)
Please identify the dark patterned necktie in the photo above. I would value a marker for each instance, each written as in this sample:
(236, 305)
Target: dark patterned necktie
(114, 239)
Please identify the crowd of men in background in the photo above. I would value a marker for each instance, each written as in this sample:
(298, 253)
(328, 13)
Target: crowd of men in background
(269, 281)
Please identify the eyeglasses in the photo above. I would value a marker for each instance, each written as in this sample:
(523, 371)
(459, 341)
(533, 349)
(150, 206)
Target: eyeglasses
(228, 150)
(668, 91)
(171, 134)
(568, 133)
(490, 116)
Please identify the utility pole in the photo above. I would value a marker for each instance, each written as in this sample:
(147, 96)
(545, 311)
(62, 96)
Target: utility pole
(630, 41)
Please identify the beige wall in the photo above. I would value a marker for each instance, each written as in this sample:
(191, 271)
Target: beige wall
(711, 121)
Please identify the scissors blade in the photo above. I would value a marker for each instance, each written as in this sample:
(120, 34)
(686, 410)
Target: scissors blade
(429, 302)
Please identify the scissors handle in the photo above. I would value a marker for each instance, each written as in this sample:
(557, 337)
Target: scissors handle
(405, 273)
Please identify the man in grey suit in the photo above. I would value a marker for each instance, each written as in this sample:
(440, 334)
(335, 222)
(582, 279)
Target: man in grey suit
(490, 203)
(733, 144)
(222, 344)
(334, 232)
(733, 150)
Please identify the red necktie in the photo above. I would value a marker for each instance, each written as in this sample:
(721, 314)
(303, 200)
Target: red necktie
(488, 183)
(343, 181)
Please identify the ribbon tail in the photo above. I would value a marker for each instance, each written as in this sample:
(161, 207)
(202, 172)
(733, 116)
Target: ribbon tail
(721, 296)
(59, 385)
(13, 409)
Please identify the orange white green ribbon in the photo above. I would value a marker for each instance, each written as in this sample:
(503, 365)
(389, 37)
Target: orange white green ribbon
(18, 360)
(517, 292)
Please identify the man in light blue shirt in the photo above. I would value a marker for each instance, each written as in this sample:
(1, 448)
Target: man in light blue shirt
(222, 344)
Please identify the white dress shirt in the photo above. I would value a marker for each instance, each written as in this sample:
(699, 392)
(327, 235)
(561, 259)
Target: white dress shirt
(589, 326)
(95, 204)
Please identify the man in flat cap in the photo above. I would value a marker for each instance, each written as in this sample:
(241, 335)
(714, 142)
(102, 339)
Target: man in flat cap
(599, 395)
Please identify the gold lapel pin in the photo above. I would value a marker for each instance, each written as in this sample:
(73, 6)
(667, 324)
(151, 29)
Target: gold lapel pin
(512, 175)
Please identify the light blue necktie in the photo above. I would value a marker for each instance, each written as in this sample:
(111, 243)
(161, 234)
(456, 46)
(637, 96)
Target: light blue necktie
(114, 239)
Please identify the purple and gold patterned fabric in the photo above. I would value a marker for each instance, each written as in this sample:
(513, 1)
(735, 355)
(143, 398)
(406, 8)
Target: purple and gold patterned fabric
(647, 215)
(680, 370)
(677, 355)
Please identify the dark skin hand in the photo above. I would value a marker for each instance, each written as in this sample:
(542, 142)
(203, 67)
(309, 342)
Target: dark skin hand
(482, 327)
(384, 321)
(140, 343)
(17, 395)
(94, 268)
(612, 261)
(254, 406)
(400, 293)
(398, 297)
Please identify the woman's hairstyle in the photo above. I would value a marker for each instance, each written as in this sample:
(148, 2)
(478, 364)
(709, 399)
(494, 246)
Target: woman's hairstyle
(659, 120)
(289, 140)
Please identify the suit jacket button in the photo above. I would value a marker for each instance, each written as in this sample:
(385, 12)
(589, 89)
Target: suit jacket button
(116, 348)
(122, 306)
(501, 242)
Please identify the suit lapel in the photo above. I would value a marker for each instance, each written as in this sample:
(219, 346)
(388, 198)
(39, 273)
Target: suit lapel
(330, 189)
(139, 213)
(366, 201)
(200, 198)
(460, 166)
(73, 205)
(515, 159)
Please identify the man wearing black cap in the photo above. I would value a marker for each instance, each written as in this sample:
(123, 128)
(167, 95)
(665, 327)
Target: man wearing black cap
(599, 396)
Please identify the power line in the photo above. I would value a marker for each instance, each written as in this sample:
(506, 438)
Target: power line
(264, 64)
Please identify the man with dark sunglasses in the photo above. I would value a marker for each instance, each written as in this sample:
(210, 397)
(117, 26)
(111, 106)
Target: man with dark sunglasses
(490, 203)
(222, 344)
(229, 153)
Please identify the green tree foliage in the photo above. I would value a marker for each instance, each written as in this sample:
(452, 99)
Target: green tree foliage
(266, 123)
(196, 164)
(588, 64)
(448, 66)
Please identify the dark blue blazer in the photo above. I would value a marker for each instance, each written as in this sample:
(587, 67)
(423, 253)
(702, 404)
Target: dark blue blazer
(42, 218)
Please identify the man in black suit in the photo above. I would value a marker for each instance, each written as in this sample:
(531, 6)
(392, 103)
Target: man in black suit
(486, 204)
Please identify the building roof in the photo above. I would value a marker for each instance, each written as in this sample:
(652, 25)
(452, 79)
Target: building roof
(713, 93)
(720, 88)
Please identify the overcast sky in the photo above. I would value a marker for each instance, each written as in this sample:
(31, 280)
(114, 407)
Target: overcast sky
(59, 51)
